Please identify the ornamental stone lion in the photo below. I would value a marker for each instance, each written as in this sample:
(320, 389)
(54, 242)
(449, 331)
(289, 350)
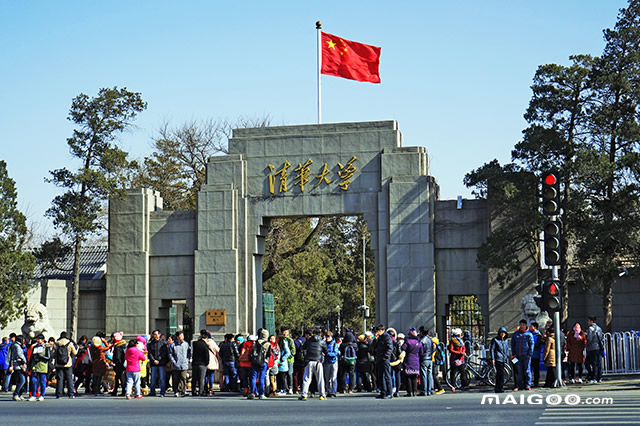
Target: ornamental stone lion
(36, 321)
(531, 312)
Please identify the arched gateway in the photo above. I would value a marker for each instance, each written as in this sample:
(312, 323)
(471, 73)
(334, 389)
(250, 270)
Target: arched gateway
(211, 258)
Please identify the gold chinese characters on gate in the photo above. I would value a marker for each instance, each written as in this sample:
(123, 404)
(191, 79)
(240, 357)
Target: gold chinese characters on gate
(302, 174)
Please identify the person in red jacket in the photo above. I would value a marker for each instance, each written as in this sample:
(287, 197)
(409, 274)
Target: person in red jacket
(245, 363)
(457, 359)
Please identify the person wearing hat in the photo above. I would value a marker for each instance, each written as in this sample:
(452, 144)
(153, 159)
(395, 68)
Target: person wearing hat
(39, 367)
(499, 354)
(412, 349)
(457, 359)
(118, 350)
(259, 373)
(246, 368)
(99, 368)
(363, 365)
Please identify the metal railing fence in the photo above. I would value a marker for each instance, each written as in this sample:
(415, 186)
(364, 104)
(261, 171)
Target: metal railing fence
(621, 353)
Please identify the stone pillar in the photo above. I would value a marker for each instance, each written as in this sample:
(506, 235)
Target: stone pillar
(409, 249)
(219, 262)
(127, 286)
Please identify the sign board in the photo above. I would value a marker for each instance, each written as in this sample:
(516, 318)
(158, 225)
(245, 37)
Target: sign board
(216, 317)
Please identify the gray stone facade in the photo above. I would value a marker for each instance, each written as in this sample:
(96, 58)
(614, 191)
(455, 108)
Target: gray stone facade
(212, 257)
(425, 249)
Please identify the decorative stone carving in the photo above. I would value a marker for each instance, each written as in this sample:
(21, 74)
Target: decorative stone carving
(531, 312)
(36, 321)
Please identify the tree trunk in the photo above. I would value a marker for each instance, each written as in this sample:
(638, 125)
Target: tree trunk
(607, 303)
(564, 313)
(75, 297)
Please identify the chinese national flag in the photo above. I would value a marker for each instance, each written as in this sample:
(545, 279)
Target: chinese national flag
(349, 59)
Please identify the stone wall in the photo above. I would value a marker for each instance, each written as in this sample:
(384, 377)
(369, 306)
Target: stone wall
(56, 296)
(172, 243)
(459, 232)
(127, 290)
(626, 305)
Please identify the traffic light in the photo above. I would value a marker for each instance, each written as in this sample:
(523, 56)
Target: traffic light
(552, 297)
(550, 194)
(552, 242)
(539, 298)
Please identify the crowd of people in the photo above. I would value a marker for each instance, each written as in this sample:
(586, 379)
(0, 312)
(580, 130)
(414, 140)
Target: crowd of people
(528, 346)
(263, 365)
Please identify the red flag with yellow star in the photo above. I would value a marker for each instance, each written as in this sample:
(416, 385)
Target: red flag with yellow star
(350, 59)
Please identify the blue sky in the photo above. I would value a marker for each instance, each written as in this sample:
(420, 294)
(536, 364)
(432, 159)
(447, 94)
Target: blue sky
(455, 75)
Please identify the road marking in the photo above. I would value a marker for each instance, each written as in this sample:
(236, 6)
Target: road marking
(622, 410)
(599, 422)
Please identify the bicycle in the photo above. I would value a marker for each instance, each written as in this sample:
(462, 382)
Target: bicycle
(481, 371)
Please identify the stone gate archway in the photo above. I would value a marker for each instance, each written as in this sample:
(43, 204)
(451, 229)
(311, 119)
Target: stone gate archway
(317, 170)
(212, 258)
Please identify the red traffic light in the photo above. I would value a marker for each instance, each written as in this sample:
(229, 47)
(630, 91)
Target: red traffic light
(553, 289)
(550, 179)
(550, 194)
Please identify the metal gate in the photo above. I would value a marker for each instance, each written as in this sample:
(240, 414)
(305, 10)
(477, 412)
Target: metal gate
(465, 312)
(269, 314)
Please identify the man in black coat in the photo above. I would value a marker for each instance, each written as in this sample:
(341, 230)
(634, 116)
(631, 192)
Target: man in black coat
(199, 364)
(229, 355)
(384, 349)
(158, 352)
(314, 347)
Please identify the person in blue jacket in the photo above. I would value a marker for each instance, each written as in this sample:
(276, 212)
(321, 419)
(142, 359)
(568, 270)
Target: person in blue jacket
(4, 361)
(538, 345)
(521, 350)
(330, 366)
(499, 353)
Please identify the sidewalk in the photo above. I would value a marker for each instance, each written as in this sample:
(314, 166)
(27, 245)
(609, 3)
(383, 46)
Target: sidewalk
(609, 383)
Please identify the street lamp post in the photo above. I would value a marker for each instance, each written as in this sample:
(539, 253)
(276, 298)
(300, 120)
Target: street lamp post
(364, 284)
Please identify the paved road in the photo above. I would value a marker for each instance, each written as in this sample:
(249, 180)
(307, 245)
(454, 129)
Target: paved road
(448, 409)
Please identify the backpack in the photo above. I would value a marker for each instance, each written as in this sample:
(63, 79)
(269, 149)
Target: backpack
(396, 351)
(439, 354)
(86, 359)
(349, 355)
(62, 355)
(600, 338)
(258, 355)
(298, 358)
(332, 354)
(245, 353)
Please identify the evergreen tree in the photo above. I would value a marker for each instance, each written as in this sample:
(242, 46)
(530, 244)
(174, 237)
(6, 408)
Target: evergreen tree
(608, 166)
(16, 264)
(103, 172)
(583, 123)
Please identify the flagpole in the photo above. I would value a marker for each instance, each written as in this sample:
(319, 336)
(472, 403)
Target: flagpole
(319, 28)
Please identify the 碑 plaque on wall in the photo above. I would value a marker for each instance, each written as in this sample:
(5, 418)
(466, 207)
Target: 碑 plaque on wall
(216, 317)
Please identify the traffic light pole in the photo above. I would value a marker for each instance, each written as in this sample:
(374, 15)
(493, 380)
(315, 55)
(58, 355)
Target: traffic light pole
(556, 323)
